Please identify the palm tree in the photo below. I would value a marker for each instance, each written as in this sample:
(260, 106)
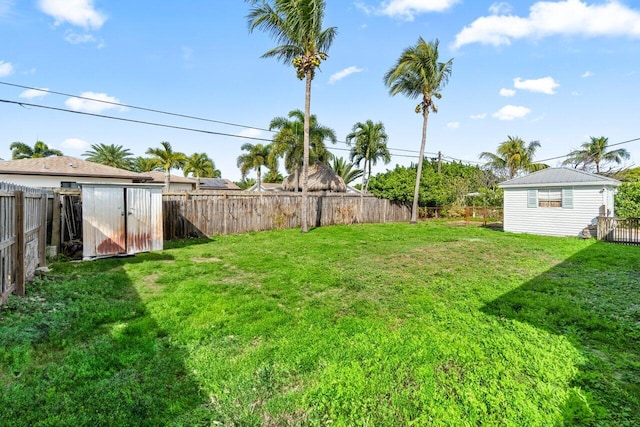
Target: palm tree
(110, 155)
(143, 164)
(289, 141)
(200, 165)
(595, 152)
(167, 159)
(346, 170)
(419, 74)
(256, 157)
(513, 156)
(296, 27)
(20, 150)
(370, 144)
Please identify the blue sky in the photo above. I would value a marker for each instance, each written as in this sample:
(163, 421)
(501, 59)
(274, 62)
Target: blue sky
(553, 71)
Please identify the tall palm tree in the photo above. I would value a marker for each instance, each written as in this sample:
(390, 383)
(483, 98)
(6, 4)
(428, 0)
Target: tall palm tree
(288, 143)
(20, 150)
(167, 159)
(419, 74)
(345, 170)
(296, 26)
(595, 152)
(256, 157)
(110, 155)
(200, 165)
(369, 145)
(513, 156)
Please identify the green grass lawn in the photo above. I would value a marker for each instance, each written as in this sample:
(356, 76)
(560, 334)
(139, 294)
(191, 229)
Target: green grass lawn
(375, 325)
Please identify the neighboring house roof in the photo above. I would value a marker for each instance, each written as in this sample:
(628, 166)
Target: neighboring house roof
(66, 166)
(217, 184)
(158, 176)
(267, 186)
(551, 177)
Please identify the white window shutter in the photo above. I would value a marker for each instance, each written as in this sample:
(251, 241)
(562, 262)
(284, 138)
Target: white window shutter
(532, 198)
(567, 198)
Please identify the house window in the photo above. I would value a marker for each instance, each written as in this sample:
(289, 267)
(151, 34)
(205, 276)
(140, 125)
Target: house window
(68, 184)
(550, 198)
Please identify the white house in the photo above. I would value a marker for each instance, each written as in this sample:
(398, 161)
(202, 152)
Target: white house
(557, 201)
(64, 172)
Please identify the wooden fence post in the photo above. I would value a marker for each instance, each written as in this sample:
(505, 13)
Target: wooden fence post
(42, 232)
(19, 221)
(55, 222)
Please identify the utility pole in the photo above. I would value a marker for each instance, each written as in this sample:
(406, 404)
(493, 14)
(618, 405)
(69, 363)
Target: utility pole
(439, 161)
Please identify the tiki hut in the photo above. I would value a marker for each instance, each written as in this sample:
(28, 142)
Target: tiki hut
(321, 178)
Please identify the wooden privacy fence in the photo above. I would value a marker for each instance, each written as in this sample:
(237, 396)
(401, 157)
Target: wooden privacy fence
(203, 215)
(23, 234)
(619, 230)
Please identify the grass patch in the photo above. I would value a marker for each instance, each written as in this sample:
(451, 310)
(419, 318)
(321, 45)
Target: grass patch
(356, 325)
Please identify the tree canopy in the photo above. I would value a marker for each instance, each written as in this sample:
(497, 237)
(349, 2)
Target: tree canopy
(110, 155)
(594, 153)
(513, 157)
(20, 150)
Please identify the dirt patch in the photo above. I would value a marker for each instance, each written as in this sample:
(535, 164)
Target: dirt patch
(213, 259)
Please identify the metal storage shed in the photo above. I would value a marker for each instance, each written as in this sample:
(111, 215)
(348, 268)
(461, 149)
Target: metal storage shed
(121, 219)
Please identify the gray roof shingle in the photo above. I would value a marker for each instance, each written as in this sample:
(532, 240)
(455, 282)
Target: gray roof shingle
(560, 177)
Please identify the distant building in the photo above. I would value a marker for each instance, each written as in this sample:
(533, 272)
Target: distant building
(64, 172)
(219, 184)
(176, 183)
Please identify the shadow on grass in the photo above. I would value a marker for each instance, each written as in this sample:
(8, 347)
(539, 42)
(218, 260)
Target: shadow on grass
(183, 243)
(81, 349)
(592, 299)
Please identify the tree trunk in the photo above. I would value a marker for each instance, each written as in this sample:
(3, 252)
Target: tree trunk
(416, 191)
(197, 183)
(304, 211)
(259, 180)
(166, 179)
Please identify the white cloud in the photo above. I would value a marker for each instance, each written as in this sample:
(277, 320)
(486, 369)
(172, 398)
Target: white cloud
(80, 13)
(29, 72)
(546, 18)
(507, 92)
(587, 74)
(33, 93)
(6, 69)
(511, 112)
(545, 85)
(5, 7)
(75, 38)
(478, 116)
(251, 133)
(75, 144)
(575, 93)
(407, 9)
(344, 73)
(502, 8)
(89, 106)
(453, 125)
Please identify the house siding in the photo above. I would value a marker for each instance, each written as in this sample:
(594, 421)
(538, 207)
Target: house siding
(42, 181)
(587, 204)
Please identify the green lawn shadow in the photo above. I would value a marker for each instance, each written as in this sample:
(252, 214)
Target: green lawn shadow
(82, 349)
(593, 300)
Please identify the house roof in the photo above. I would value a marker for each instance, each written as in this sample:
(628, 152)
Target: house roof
(66, 166)
(267, 186)
(159, 176)
(217, 184)
(559, 177)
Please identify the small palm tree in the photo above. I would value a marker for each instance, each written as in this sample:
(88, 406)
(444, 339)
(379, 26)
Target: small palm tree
(419, 74)
(595, 153)
(513, 156)
(144, 164)
(369, 145)
(20, 150)
(110, 155)
(167, 159)
(200, 165)
(256, 157)
(296, 27)
(346, 170)
(288, 143)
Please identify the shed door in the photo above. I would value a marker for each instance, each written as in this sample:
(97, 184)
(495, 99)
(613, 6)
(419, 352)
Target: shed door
(144, 220)
(103, 221)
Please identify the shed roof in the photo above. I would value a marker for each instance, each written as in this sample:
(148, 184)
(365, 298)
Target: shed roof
(559, 177)
(66, 166)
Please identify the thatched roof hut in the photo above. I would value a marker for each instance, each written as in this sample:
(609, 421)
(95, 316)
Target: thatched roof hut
(321, 178)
